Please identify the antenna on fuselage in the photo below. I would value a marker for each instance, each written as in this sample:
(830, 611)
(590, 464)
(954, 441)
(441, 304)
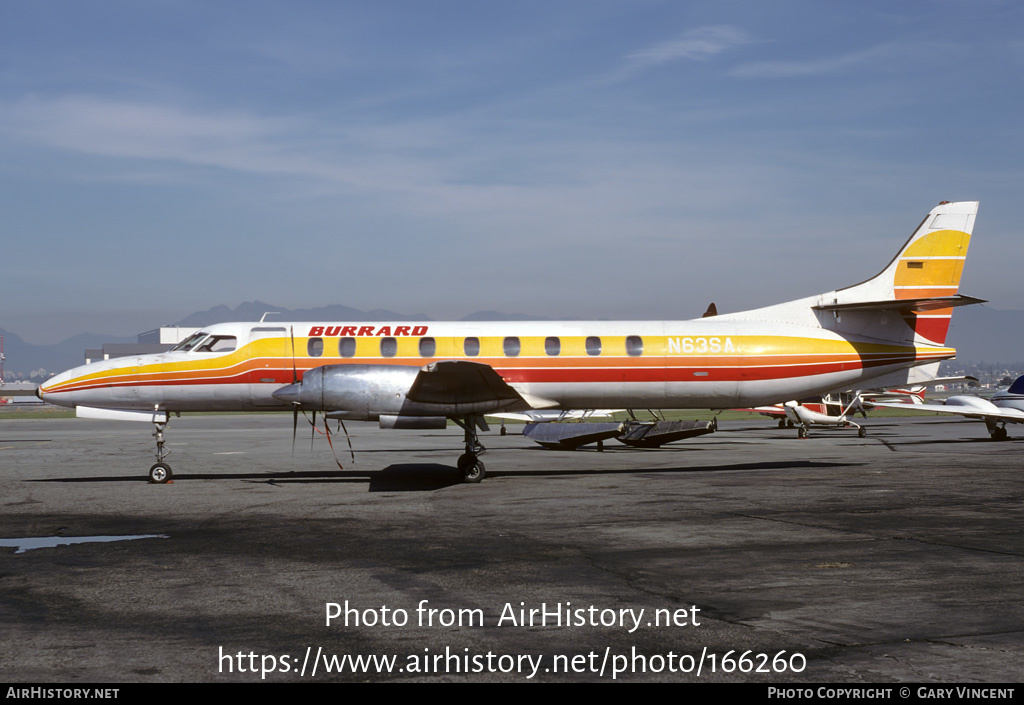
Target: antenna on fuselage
(269, 313)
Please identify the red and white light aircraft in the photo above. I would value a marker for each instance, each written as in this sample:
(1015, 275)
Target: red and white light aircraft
(836, 409)
(416, 375)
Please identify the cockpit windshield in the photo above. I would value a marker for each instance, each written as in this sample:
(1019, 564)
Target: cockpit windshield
(189, 342)
(218, 343)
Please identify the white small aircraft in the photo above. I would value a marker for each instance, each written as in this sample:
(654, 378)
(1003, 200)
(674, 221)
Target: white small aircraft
(1003, 407)
(420, 375)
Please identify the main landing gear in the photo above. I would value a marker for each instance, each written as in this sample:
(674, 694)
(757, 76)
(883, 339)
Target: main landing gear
(997, 431)
(160, 473)
(470, 466)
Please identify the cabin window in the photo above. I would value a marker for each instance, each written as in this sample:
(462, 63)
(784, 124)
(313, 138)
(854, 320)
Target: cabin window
(428, 346)
(552, 346)
(634, 345)
(593, 345)
(315, 347)
(218, 343)
(388, 347)
(471, 346)
(511, 346)
(915, 265)
(347, 347)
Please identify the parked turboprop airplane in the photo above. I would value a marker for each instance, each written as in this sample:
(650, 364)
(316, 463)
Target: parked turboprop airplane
(419, 375)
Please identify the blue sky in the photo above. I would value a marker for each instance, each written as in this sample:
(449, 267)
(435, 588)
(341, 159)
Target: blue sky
(571, 159)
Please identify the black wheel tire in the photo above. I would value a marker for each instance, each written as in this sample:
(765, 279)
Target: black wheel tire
(801, 432)
(782, 423)
(503, 431)
(160, 474)
(861, 432)
(474, 472)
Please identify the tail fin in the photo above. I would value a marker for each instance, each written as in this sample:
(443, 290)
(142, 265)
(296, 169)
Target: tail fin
(922, 282)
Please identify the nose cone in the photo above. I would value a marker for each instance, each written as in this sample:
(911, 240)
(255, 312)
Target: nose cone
(289, 395)
(50, 391)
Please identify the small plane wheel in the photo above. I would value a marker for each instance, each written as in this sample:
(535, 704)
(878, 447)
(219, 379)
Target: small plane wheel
(999, 434)
(801, 432)
(503, 431)
(782, 423)
(861, 432)
(714, 424)
(160, 474)
(789, 423)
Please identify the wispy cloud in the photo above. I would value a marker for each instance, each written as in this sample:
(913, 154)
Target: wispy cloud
(818, 66)
(245, 143)
(699, 44)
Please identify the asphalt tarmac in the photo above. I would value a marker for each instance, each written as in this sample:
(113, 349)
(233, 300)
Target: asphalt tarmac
(744, 556)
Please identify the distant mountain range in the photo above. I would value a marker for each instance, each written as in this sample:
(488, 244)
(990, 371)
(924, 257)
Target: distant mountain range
(24, 358)
(254, 310)
(979, 333)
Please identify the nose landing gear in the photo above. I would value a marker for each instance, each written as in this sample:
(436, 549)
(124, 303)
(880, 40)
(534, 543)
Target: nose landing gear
(160, 473)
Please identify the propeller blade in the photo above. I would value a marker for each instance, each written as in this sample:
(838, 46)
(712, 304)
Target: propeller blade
(295, 425)
(349, 439)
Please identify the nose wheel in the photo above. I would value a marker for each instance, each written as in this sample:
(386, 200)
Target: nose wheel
(160, 474)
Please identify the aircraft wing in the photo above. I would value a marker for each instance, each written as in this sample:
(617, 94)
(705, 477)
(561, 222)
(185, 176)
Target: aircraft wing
(453, 381)
(765, 410)
(971, 407)
(465, 382)
(554, 415)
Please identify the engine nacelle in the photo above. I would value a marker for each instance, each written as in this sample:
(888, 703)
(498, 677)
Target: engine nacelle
(369, 392)
(360, 391)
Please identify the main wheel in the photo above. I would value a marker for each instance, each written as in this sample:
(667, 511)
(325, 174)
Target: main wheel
(801, 432)
(472, 468)
(999, 434)
(861, 432)
(160, 473)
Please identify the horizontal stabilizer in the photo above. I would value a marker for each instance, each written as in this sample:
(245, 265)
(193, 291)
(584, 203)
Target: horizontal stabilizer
(931, 303)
